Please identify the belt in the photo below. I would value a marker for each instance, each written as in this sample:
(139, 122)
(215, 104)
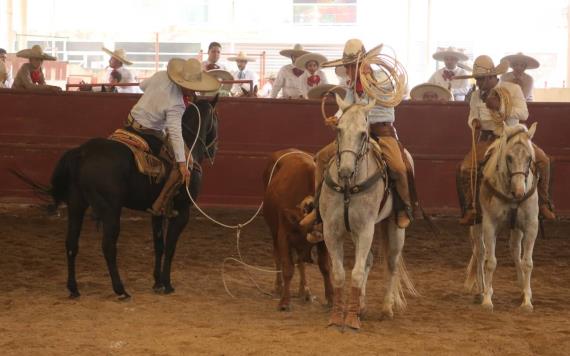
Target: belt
(487, 135)
(140, 128)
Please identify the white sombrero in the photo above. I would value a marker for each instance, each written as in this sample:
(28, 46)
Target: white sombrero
(302, 61)
(353, 50)
(319, 91)
(483, 66)
(530, 62)
(418, 91)
(118, 54)
(35, 52)
(188, 74)
(441, 53)
(242, 56)
(296, 51)
(220, 75)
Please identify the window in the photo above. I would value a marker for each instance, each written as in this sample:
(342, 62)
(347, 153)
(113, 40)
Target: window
(324, 12)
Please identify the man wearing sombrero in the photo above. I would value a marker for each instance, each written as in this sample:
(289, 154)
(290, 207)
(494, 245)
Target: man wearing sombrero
(243, 73)
(288, 78)
(313, 76)
(30, 75)
(519, 63)
(117, 64)
(160, 109)
(381, 121)
(444, 76)
(484, 103)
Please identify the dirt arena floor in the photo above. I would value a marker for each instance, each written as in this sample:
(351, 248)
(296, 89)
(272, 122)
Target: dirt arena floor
(37, 318)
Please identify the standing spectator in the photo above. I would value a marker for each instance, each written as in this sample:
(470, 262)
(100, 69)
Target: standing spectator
(214, 52)
(444, 76)
(519, 63)
(265, 91)
(288, 78)
(117, 63)
(30, 75)
(313, 76)
(243, 74)
(6, 78)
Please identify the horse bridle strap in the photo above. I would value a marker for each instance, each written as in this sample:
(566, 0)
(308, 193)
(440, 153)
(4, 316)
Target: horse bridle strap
(511, 200)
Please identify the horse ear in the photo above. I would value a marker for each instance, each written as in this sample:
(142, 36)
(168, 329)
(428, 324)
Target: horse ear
(370, 105)
(215, 101)
(532, 131)
(343, 105)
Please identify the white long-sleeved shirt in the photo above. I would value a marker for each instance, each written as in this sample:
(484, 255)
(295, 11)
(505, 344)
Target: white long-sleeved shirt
(288, 83)
(161, 108)
(6, 71)
(126, 77)
(527, 84)
(246, 74)
(305, 84)
(458, 87)
(479, 110)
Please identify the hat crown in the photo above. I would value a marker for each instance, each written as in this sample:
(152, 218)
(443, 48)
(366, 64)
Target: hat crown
(190, 70)
(37, 49)
(298, 47)
(483, 64)
(353, 48)
(120, 52)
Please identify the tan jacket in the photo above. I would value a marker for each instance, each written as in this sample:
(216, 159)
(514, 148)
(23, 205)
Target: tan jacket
(23, 80)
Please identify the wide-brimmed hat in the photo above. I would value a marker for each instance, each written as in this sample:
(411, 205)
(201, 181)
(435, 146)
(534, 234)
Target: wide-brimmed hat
(441, 53)
(530, 62)
(353, 50)
(188, 74)
(320, 90)
(242, 56)
(302, 61)
(418, 91)
(35, 52)
(220, 75)
(484, 67)
(296, 51)
(118, 54)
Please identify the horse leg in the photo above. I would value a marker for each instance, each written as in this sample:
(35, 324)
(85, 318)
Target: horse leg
(158, 238)
(175, 227)
(287, 270)
(304, 291)
(335, 246)
(393, 243)
(475, 274)
(279, 275)
(325, 268)
(111, 228)
(489, 238)
(515, 247)
(76, 212)
(527, 264)
(367, 267)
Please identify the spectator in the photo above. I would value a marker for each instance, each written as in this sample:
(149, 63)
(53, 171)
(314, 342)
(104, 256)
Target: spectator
(519, 63)
(6, 78)
(444, 76)
(30, 75)
(117, 63)
(288, 78)
(313, 76)
(244, 74)
(214, 52)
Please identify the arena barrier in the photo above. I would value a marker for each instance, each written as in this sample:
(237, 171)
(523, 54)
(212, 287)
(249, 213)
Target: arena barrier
(38, 127)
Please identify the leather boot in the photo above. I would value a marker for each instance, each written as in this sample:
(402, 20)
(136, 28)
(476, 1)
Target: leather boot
(546, 212)
(352, 319)
(543, 167)
(316, 235)
(337, 311)
(161, 207)
(470, 213)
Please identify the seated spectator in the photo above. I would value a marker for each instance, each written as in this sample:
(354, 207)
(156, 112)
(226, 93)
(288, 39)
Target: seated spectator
(30, 75)
(213, 61)
(117, 63)
(430, 92)
(288, 79)
(6, 78)
(444, 77)
(244, 74)
(313, 75)
(519, 63)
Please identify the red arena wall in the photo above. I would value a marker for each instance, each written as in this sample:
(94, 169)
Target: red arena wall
(38, 127)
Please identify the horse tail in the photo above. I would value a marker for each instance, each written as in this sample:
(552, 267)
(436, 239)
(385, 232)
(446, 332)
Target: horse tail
(62, 174)
(403, 284)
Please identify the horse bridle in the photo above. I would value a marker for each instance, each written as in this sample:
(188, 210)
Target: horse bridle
(214, 140)
(362, 151)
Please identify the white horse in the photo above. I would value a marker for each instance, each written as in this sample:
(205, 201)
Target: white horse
(350, 205)
(508, 198)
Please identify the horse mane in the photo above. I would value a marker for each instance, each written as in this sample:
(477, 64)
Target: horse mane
(497, 151)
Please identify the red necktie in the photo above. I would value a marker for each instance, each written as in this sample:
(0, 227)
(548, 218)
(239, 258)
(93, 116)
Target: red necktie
(358, 87)
(36, 76)
(448, 74)
(298, 72)
(313, 80)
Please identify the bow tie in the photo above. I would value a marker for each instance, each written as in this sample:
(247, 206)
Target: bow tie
(211, 66)
(448, 74)
(298, 72)
(36, 75)
(313, 80)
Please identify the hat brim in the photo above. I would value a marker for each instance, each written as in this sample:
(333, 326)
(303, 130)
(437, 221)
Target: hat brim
(292, 52)
(221, 74)
(28, 53)
(417, 93)
(439, 56)
(502, 68)
(530, 62)
(345, 61)
(318, 92)
(207, 82)
(302, 61)
(119, 58)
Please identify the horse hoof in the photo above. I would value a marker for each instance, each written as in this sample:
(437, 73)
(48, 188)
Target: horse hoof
(124, 297)
(478, 299)
(352, 322)
(487, 307)
(74, 295)
(526, 308)
(284, 307)
(387, 315)
(158, 288)
(168, 290)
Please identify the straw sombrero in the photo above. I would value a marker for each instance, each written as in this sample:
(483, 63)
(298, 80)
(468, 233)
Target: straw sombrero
(353, 50)
(242, 56)
(530, 62)
(302, 61)
(118, 54)
(319, 91)
(418, 91)
(188, 74)
(484, 67)
(220, 75)
(35, 52)
(296, 51)
(441, 53)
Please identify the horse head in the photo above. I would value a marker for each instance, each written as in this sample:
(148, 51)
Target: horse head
(514, 159)
(352, 137)
(202, 123)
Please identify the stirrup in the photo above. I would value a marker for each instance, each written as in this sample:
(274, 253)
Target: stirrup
(171, 213)
(468, 218)
(546, 212)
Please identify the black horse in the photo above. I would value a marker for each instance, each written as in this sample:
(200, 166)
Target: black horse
(102, 174)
